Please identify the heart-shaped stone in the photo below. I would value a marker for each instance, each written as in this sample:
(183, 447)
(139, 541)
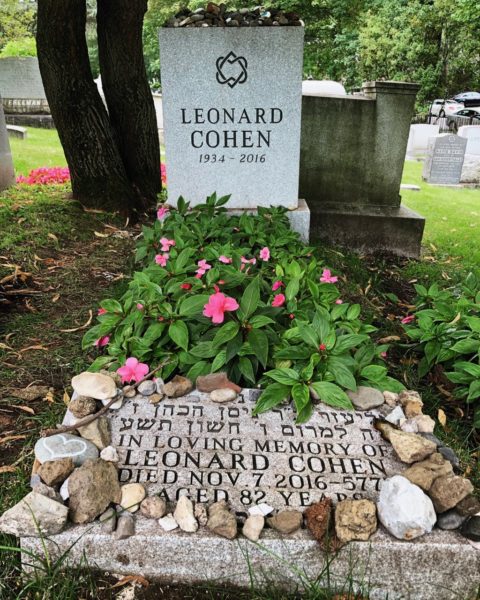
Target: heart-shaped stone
(65, 445)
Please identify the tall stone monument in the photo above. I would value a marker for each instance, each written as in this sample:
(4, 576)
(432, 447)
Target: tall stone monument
(232, 112)
(351, 163)
(7, 174)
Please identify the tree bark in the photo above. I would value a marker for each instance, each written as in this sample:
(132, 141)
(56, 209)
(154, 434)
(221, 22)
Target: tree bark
(99, 177)
(127, 93)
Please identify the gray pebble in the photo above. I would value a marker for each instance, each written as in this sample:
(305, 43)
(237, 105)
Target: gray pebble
(108, 519)
(471, 529)
(450, 455)
(146, 388)
(125, 527)
(450, 520)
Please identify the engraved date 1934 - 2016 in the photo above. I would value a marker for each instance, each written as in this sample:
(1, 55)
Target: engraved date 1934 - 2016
(243, 158)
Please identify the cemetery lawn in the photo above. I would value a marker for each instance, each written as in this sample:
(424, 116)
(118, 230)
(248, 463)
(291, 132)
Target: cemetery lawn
(41, 149)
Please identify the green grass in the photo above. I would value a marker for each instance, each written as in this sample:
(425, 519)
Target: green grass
(41, 149)
(452, 217)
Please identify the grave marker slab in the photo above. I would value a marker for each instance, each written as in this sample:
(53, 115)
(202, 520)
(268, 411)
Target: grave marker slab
(444, 161)
(209, 451)
(232, 113)
(472, 133)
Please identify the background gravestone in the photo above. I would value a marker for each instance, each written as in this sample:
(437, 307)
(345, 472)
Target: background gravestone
(472, 133)
(7, 174)
(251, 76)
(444, 161)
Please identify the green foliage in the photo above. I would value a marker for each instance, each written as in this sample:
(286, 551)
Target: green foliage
(308, 340)
(17, 20)
(24, 46)
(447, 332)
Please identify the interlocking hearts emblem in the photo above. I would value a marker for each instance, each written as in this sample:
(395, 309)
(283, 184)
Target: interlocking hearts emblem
(224, 62)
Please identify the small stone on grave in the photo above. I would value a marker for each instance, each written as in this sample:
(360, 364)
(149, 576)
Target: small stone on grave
(286, 521)
(355, 520)
(184, 516)
(168, 523)
(94, 385)
(54, 472)
(131, 496)
(97, 432)
(65, 445)
(125, 527)
(82, 406)
(177, 387)
(34, 515)
(446, 492)
(366, 398)
(153, 507)
(253, 527)
(221, 521)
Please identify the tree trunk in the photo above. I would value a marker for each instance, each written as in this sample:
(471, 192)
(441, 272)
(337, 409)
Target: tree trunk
(127, 93)
(99, 178)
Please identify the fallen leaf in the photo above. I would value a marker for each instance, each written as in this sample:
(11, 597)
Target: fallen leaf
(82, 327)
(37, 347)
(388, 339)
(11, 438)
(30, 393)
(442, 418)
(56, 298)
(49, 397)
(26, 409)
(8, 469)
(66, 398)
(52, 236)
(101, 235)
(131, 579)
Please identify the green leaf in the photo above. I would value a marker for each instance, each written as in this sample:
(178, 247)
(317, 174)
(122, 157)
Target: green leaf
(100, 363)
(246, 369)
(234, 346)
(347, 342)
(251, 298)
(272, 396)
(474, 323)
(284, 375)
(260, 321)
(471, 368)
(292, 288)
(331, 394)
(301, 396)
(178, 332)
(111, 306)
(293, 353)
(153, 332)
(373, 372)
(192, 306)
(309, 335)
(182, 259)
(200, 368)
(467, 346)
(219, 360)
(259, 343)
(305, 414)
(473, 391)
(353, 312)
(342, 374)
(226, 333)
(204, 350)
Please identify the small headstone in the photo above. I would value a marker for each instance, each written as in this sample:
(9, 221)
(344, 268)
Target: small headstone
(210, 451)
(472, 133)
(444, 161)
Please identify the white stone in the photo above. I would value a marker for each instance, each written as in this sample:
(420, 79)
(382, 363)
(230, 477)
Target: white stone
(116, 405)
(472, 133)
(404, 510)
(262, 509)
(425, 423)
(418, 139)
(132, 495)
(391, 398)
(35, 515)
(253, 526)
(183, 515)
(471, 169)
(395, 416)
(94, 385)
(159, 383)
(109, 454)
(168, 523)
(65, 445)
(223, 395)
(64, 493)
(408, 425)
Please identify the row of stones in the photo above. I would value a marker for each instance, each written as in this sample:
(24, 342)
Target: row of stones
(214, 15)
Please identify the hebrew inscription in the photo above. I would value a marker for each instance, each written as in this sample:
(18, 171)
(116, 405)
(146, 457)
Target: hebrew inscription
(209, 451)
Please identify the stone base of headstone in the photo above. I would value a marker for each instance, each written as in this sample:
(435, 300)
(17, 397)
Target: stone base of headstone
(441, 565)
(299, 218)
(396, 230)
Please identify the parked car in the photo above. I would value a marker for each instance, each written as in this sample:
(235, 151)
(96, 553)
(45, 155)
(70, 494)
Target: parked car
(443, 108)
(465, 116)
(467, 96)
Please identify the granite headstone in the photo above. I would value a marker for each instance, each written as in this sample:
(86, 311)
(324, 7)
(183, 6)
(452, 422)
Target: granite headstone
(231, 113)
(211, 451)
(7, 174)
(444, 161)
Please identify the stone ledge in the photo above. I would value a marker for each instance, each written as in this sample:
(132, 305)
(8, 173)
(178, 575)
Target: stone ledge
(370, 229)
(441, 565)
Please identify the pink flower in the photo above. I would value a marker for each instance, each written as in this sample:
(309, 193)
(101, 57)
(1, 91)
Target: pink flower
(408, 319)
(383, 355)
(163, 174)
(327, 277)
(161, 259)
(162, 213)
(203, 267)
(186, 286)
(276, 285)
(218, 304)
(101, 311)
(247, 261)
(265, 254)
(338, 301)
(102, 341)
(132, 370)
(225, 260)
(279, 300)
(291, 316)
(166, 243)
(139, 306)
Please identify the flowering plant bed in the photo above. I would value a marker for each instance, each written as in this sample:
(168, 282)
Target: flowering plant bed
(240, 294)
